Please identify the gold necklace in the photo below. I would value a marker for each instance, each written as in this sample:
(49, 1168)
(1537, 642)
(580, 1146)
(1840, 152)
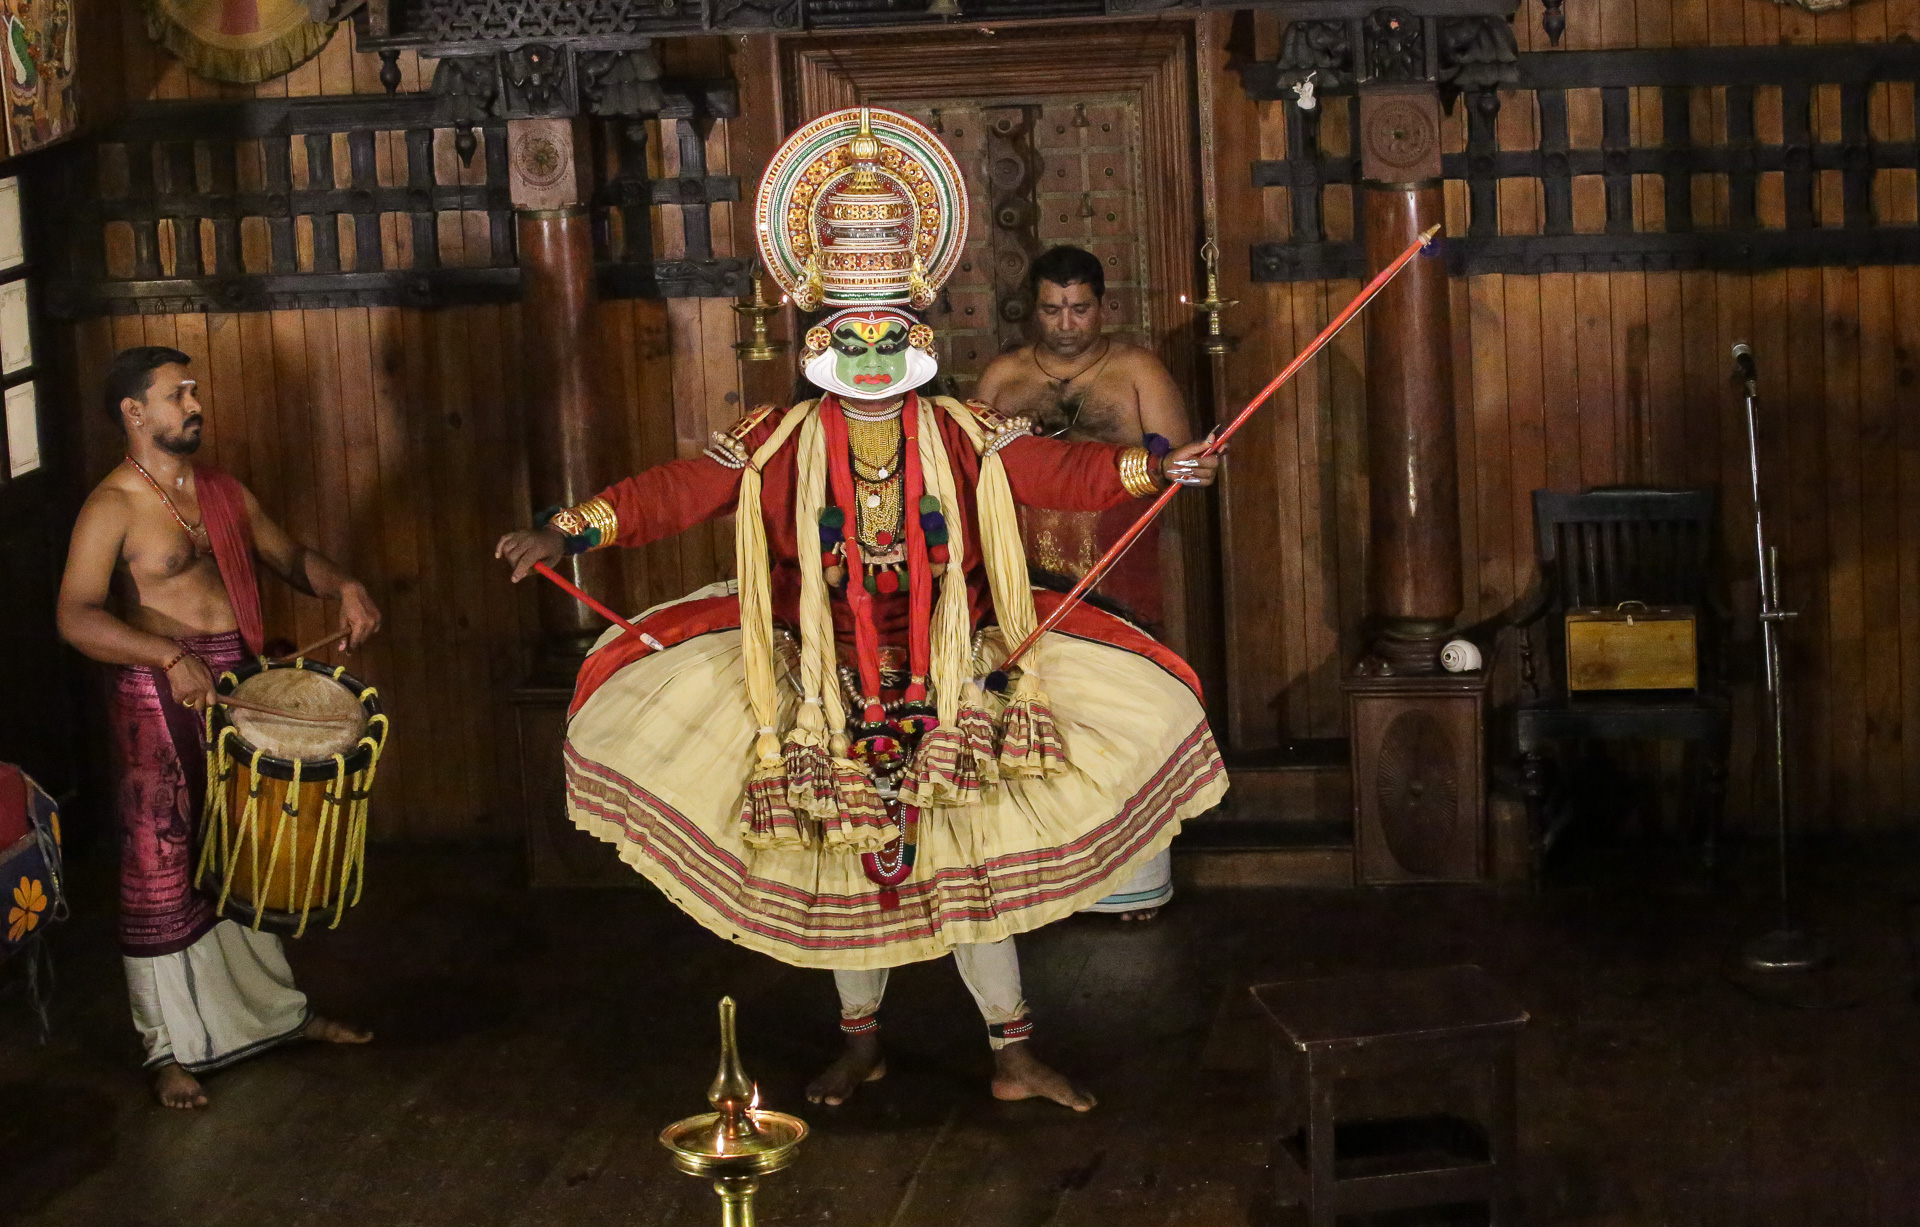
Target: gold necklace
(878, 447)
(196, 533)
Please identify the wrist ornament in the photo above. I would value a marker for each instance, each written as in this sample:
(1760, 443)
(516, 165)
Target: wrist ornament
(1139, 472)
(591, 525)
(177, 658)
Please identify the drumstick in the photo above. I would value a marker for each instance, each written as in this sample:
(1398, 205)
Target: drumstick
(315, 646)
(227, 700)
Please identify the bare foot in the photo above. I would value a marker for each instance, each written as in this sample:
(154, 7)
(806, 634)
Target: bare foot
(1141, 914)
(327, 1031)
(1018, 1074)
(176, 1088)
(861, 1062)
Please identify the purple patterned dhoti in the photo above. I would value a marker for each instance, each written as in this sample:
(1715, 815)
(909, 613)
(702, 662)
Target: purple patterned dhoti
(204, 991)
(162, 787)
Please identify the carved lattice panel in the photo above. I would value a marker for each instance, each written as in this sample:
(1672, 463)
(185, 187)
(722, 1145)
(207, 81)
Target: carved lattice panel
(1615, 161)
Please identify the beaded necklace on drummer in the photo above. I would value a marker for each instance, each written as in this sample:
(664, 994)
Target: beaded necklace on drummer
(196, 533)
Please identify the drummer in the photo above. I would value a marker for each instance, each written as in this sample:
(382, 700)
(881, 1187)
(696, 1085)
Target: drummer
(160, 581)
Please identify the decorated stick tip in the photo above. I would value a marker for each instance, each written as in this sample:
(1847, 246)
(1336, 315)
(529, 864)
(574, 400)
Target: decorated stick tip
(997, 681)
(1427, 235)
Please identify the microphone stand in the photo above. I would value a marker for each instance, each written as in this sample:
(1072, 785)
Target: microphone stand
(1788, 947)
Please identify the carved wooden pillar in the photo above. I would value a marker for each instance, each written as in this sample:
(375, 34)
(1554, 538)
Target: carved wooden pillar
(576, 445)
(1417, 734)
(1414, 559)
(575, 435)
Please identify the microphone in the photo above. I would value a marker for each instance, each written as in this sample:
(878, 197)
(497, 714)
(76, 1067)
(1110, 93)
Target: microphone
(1743, 361)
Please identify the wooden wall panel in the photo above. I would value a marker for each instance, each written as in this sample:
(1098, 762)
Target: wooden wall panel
(1576, 380)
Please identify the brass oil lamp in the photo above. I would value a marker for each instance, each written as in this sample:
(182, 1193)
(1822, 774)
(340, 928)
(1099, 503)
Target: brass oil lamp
(739, 1141)
(760, 347)
(1217, 342)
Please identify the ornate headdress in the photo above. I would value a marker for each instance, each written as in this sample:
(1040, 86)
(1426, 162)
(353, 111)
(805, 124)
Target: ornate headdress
(863, 207)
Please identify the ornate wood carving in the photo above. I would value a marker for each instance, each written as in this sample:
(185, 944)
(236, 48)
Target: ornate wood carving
(511, 21)
(1322, 50)
(548, 163)
(1396, 45)
(1399, 135)
(439, 27)
(1012, 167)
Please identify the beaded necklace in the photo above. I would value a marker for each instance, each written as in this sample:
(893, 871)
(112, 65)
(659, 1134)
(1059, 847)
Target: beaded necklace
(196, 533)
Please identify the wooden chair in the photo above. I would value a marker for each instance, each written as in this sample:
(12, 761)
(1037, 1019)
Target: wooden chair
(1598, 549)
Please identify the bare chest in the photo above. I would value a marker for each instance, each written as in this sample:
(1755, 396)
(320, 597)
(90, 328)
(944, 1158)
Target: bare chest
(158, 549)
(1102, 408)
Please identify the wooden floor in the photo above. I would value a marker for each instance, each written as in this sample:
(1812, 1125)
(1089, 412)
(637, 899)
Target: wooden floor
(531, 1047)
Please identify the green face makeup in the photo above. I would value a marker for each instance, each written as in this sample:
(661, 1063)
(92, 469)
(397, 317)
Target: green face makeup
(875, 367)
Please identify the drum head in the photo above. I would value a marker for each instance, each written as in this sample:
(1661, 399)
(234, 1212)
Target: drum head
(310, 694)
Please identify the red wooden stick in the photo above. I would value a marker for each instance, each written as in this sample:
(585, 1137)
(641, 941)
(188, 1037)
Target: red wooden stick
(1219, 440)
(568, 586)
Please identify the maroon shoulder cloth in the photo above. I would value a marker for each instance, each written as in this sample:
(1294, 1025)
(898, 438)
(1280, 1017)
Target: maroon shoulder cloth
(223, 509)
(162, 750)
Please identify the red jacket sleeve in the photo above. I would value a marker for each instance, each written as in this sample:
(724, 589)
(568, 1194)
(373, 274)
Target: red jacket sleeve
(1061, 476)
(671, 498)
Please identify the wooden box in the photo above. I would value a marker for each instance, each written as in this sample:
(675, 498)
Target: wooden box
(1632, 647)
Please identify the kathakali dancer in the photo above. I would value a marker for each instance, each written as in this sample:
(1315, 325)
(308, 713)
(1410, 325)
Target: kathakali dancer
(825, 762)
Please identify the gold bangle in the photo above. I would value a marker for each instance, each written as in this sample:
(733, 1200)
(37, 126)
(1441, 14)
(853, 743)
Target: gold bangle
(594, 514)
(1136, 472)
(599, 513)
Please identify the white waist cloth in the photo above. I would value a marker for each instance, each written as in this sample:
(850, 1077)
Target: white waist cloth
(1150, 886)
(222, 999)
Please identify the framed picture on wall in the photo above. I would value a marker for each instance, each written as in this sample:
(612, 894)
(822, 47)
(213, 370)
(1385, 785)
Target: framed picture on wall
(37, 57)
(20, 439)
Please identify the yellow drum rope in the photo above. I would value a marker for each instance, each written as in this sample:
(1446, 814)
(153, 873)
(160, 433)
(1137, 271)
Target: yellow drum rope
(213, 823)
(289, 810)
(329, 820)
(356, 862)
(247, 833)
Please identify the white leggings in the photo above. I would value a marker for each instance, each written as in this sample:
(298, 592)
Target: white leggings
(991, 972)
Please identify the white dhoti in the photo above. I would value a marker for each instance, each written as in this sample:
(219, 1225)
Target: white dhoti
(221, 1000)
(1150, 886)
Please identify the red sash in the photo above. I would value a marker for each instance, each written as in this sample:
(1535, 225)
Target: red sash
(679, 623)
(223, 509)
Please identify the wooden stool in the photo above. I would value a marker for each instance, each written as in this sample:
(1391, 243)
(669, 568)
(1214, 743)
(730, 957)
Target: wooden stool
(1431, 1026)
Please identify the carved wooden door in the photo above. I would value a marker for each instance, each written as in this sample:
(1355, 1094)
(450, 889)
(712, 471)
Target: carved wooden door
(1041, 171)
